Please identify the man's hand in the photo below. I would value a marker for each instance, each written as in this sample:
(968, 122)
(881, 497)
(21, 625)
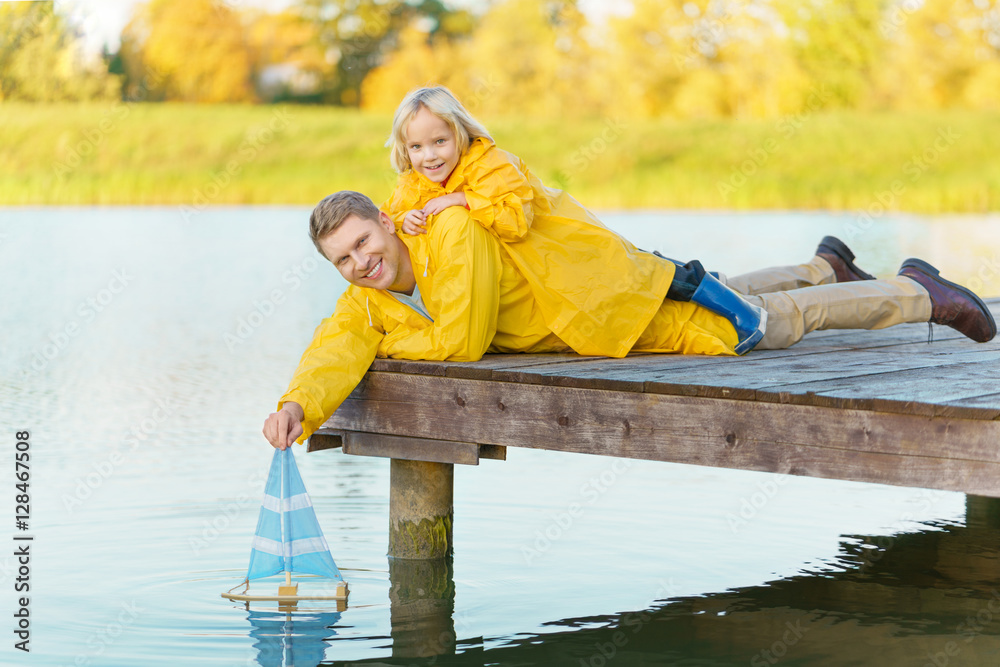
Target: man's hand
(438, 204)
(283, 427)
(415, 222)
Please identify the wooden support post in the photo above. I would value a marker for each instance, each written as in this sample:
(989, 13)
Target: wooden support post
(420, 509)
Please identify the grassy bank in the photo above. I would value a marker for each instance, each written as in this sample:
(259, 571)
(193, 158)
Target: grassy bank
(194, 155)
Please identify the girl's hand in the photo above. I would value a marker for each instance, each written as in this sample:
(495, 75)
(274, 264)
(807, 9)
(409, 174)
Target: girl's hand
(415, 223)
(439, 204)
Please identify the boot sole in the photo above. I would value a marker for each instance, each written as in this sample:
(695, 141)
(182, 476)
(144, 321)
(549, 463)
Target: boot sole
(840, 249)
(930, 270)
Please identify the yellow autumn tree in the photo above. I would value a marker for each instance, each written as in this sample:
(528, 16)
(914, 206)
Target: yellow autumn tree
(288, 59)
(943, 53)
(41, 59)
(188, 50)
(838, 45)
(528, 57)
(702, 58)
(419, 60)
(524, 57)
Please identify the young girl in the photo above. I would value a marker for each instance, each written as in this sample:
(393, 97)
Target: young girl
(445, 158)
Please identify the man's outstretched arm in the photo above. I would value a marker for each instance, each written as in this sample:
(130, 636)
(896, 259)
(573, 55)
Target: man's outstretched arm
(339, 355)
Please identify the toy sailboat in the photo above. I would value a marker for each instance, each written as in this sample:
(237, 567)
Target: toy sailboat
(288, 538)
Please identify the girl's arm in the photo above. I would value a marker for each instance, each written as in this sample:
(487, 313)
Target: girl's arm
(465, 299)
(499, 195)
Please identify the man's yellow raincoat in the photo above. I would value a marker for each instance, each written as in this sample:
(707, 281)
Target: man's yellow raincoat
(538, 273)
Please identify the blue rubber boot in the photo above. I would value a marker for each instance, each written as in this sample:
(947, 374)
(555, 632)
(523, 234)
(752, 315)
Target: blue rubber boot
(749, 321)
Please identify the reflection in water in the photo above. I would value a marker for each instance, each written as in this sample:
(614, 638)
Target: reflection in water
(422, 598)
(930, 597)
(286, 637)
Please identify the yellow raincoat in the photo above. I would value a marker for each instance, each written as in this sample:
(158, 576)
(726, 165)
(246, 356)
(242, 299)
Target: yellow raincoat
(568, 284)
(582, 274)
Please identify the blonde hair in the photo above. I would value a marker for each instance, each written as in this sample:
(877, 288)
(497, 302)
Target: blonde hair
(442, 103)
(330, 213)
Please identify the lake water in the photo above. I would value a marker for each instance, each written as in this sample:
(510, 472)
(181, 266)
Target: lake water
(143, 352)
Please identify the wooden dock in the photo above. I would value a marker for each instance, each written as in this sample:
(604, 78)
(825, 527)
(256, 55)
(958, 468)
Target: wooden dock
(870, 406)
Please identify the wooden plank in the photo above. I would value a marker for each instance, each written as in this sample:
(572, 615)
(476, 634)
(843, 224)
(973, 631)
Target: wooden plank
(484, 368)
(924, 385)
(953, 454)
(433, 368)
(629, 374)
(323, 439)
(753, 373)
(751, 378)
(466, 368)
(410, 448)
(541, 368)
(988, 402)
(494, 452)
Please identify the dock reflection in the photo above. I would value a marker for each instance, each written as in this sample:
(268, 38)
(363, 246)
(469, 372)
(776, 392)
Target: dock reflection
(930, 597)
(422, 599)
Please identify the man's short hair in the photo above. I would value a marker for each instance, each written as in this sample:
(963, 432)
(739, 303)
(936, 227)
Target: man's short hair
(330, 213)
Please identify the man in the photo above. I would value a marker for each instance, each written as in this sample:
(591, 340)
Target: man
(457, 293)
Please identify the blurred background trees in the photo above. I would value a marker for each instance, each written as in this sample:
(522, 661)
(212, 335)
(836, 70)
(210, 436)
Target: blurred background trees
(41, 60)
(653, 58)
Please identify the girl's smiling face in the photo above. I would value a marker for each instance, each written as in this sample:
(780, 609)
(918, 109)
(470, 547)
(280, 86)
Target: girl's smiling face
(431, 146)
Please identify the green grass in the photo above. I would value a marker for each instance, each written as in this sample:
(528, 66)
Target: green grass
(190, 154)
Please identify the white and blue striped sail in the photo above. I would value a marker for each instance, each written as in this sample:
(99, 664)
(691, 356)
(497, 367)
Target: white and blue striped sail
(288, 537)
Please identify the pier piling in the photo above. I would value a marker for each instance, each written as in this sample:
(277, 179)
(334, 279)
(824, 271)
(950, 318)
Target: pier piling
(420, 509)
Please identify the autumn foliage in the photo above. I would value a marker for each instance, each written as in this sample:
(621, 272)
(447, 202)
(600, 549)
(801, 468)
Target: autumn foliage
(643, 59)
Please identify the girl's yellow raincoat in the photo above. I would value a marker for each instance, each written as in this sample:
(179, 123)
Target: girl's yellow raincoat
(538, 273)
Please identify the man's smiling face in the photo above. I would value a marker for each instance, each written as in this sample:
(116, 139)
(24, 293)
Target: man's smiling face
(369, 254)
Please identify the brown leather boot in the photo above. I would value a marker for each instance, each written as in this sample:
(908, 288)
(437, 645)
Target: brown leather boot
(953, 305)
(841, 259)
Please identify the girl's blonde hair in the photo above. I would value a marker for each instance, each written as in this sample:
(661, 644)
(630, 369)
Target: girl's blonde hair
(440, 102)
